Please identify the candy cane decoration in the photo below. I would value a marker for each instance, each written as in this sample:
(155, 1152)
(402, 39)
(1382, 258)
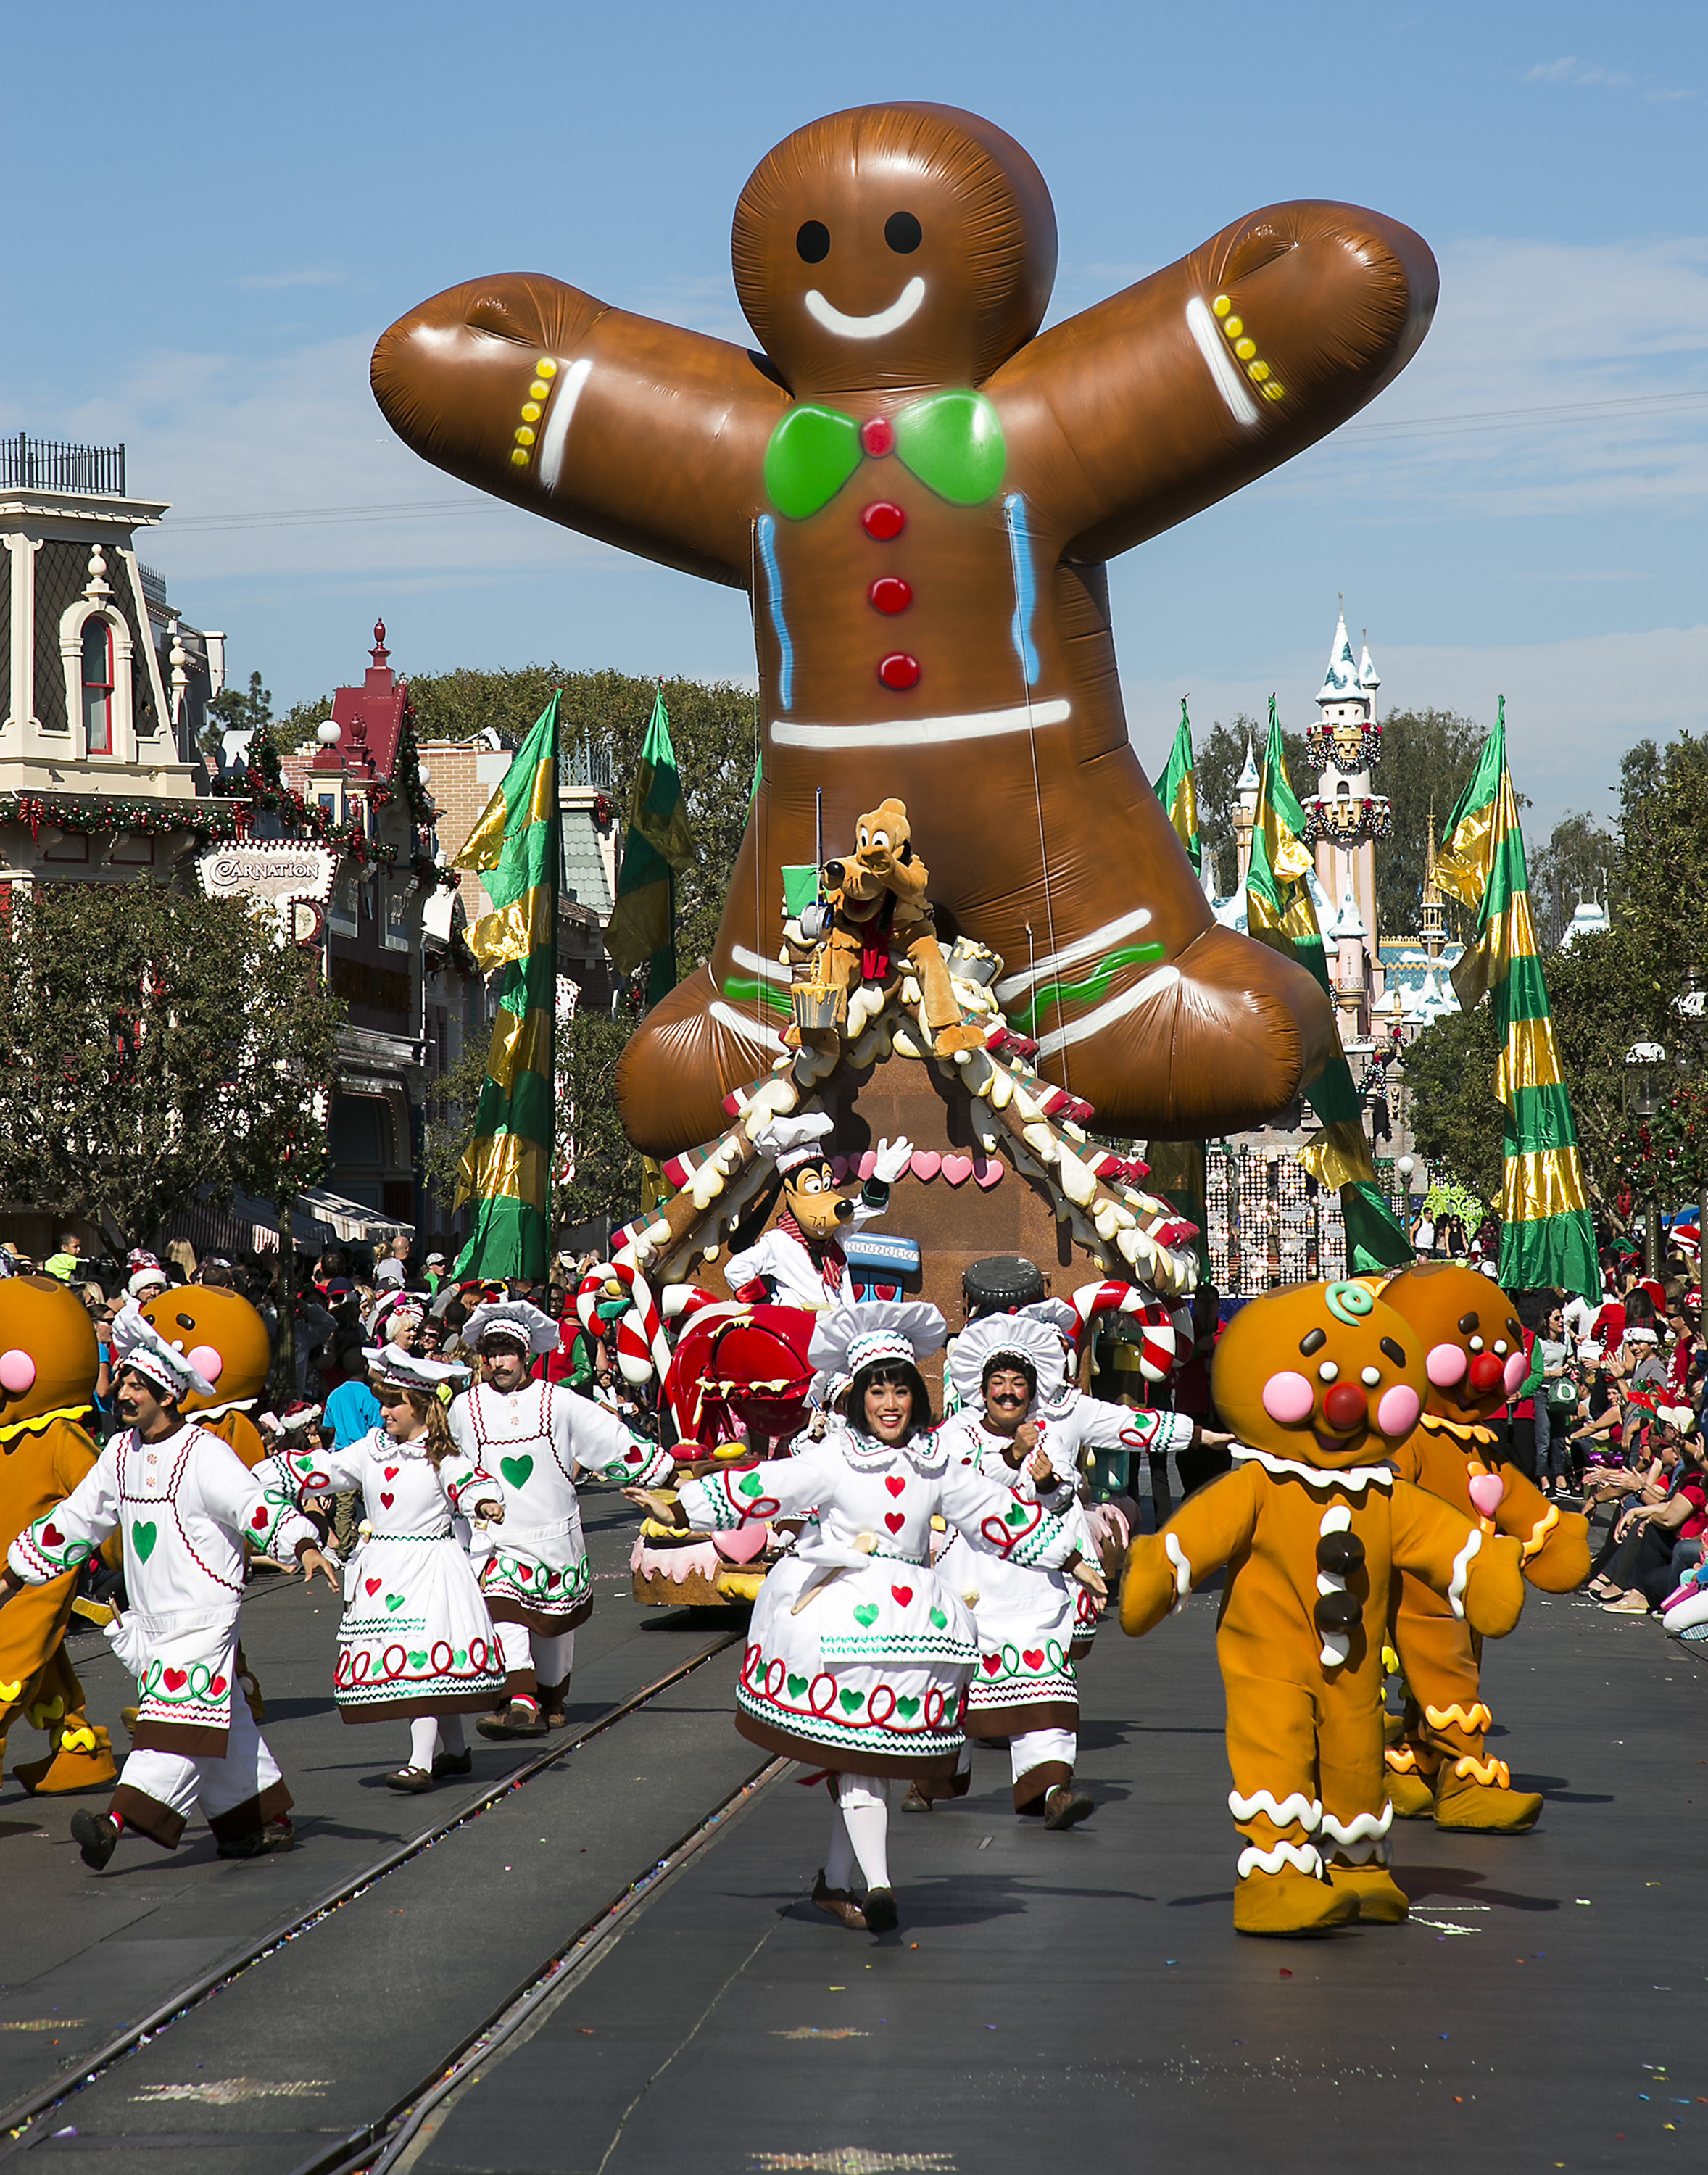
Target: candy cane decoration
(1160, 1340)
(641, 1350)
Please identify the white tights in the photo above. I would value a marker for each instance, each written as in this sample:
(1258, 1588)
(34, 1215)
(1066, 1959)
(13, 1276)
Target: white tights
(860, 1828)
(432, 1732)
(550, 1656)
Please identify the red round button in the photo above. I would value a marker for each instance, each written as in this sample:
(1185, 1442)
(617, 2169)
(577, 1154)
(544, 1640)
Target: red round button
(891, 594)
(878, 437)
(882, 521)
(900, 672)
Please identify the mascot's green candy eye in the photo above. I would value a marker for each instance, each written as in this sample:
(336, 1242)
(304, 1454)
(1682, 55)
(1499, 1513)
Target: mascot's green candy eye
(812, 242)
(1349, 1302)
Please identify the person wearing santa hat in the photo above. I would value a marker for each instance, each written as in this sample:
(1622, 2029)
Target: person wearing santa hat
(798, 1262)
(538, 1435)
(184, 1503)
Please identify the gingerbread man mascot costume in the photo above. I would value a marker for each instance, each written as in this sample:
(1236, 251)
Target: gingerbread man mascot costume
(1474, 1355)
(226, 1341)
(919, 491)
(1321, 1383)
(48, 1363)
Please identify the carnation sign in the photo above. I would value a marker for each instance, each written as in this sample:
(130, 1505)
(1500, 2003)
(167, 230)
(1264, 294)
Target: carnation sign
(270, 871)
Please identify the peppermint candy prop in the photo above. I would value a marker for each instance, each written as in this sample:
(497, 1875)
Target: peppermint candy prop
(1164, 1338)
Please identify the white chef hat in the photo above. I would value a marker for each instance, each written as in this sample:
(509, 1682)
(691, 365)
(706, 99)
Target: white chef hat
(850, 1337)
(515, 1321)
(397, 1369)
(791, 1141)
(995, 1335)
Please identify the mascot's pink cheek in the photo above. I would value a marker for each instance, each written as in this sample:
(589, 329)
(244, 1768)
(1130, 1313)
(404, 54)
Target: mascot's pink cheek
(1447, 1364)
(206, 1363)
(17, 1372)
(1397, 1412)
(1517, 1367)
(1288, 1399)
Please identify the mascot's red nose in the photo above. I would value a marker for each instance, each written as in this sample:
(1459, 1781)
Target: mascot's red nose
(1346, 1407)
(1486, 1374)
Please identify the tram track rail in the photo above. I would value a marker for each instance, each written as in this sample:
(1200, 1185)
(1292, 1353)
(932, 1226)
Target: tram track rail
(21, 2124)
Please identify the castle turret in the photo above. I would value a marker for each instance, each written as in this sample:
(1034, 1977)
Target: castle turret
(1346, 815)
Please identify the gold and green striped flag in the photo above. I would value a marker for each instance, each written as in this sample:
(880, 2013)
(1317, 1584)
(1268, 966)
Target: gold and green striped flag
(517, 851)
(1546, 1237)
(658, 846)
(1176, 790)
(1280, 912)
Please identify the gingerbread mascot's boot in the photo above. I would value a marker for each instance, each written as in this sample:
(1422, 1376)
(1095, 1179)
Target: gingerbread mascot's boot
(48, 1363)
(918, 492)
(1475, 1358)
(1321, 1384)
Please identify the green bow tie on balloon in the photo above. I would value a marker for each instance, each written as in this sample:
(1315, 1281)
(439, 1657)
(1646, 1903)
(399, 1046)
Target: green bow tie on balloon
(953, 442)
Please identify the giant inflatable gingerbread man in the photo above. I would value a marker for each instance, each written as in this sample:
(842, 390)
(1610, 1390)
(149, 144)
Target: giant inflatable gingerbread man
(918, 492)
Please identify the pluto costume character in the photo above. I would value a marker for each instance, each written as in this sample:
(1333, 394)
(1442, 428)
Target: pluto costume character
(918, 492)
(48, 1362)
(1318, 1382)
(1474, 1357)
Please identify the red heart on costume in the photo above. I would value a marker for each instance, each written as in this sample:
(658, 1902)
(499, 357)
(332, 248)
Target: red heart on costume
(1033, 1658)
(895, 1520)
(904, 1594)
(259, 1518)
(386, 1500)
(632, 1458)
(374, 1584)
(993, 1662)
(175, 1679)
(393, 1471)
(53, 1538)
(216, 1687)
(524, 1571)
(895, 1486)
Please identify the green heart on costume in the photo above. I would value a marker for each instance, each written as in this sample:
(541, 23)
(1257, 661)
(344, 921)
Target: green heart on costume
(418, 1661)
(907, 1707)
(939, 1619)
(143, 1539)
(852, 1701)
(460, 1656)
(797, 1685)
(395, 1602)
(1017, 1517)
(813, 452)
(516, 1470)
(752, 1485)
(867, 1615)
(953, 442)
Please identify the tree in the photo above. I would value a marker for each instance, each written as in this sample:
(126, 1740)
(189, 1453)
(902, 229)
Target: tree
(232, 711)
(1427, 757)
(450, 1114)
(1456, 1121)
(1576, 862)
(172, 1048)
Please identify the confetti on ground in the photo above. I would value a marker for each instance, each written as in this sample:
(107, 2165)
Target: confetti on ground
(226, 2091)
(822, 2031)
(45, 2023)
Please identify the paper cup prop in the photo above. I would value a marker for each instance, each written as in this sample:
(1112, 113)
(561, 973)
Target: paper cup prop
(919, 491)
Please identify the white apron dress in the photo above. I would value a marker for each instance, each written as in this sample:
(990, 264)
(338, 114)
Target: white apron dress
(534, 1568)
(416, 1638)
(858, 1659)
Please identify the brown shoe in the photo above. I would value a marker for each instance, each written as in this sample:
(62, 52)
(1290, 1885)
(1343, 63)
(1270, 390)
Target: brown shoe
(838, 1903)
(517, 1720)
(417, 1781)
(1064, 1808)
(879, 1914)
(916, 1801)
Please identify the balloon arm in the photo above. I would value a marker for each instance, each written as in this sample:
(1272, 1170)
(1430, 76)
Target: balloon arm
(648, 437)
(1332, 301)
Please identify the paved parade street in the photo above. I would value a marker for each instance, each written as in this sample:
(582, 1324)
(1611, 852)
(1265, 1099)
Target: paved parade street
(1077, 1994)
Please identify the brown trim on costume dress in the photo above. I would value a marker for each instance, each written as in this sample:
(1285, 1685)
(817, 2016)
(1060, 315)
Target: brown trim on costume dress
(249, 1817)
(836, 1761)
(932, 1788)
(192, 1739)
(147, 1815)
(406, 1710)
(983, 1722)
(503, 1609)
(1035, 1785)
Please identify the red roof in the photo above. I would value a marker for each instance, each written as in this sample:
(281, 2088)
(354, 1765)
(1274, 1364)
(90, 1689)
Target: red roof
(371, 717)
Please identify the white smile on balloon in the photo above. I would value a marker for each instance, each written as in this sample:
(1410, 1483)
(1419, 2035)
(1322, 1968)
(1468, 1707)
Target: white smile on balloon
(872, 328)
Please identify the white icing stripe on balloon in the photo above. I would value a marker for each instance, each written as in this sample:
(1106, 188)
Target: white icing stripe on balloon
(1153, 985)
(552, 438)
(1461, 1571)
(768, 970)
(1307, 1811)
(1217, 359)
(972, 725)
(872, 328)
(1071, 955)
(1363, 1827)
(1354, 1478)
(746, 1028)
(1183, 1570)
(1306, 1857)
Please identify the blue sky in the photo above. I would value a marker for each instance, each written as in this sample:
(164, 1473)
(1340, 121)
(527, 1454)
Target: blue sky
(238, 200)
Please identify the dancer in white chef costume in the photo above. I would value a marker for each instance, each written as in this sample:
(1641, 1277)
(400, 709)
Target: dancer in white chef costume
(858, 1653)
(534, 1576)
(186, 1503)
(416, 1643)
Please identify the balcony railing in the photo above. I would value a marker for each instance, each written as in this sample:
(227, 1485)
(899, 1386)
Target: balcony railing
(42, 464)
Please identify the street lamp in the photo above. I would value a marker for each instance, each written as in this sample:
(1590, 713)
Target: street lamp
(1406, 1165)
(1642, 1098)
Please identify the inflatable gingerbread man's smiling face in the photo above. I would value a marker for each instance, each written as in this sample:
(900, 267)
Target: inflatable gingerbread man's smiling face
(1320, 1374)
(1472, 1340)
(222, 1335)
(48, 1356)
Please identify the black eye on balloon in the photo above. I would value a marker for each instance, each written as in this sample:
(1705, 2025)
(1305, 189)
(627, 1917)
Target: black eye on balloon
(903, 233)
(812, 243)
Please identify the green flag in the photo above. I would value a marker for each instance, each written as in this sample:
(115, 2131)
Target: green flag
(1177, 791)
(1280, 912)
(1546, 1237)
(659, 844)
(516, 849)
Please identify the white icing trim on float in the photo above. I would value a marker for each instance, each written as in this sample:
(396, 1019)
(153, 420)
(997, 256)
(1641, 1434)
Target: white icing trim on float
(747, 1030)
(1183, 1571)
(1207, 339)
(1153, 985)
(905, 305)
(1306, 1857)
(970, 725)
(553, 437)
(1071, 955)
(768, 970)
(1308, 1812)
(1461, 1572)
